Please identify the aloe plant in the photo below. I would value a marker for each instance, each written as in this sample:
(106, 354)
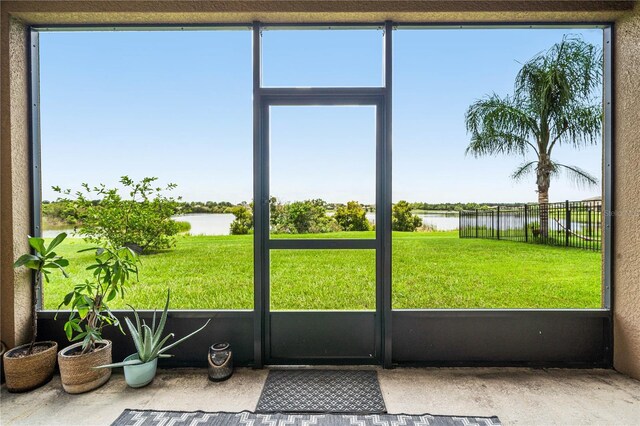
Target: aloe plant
(148, 340)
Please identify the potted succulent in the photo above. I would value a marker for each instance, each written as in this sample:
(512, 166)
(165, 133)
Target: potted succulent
(112, 271)
(140, 368)
(30, 366)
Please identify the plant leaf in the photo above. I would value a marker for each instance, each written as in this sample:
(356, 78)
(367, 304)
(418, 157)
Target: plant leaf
(121, 364)
(56, 241)
(68, 330)
(183, 339)
(147, 343)
(38, 244)
(163, 319)
(29, 260)
(135, 335)
(158, 347)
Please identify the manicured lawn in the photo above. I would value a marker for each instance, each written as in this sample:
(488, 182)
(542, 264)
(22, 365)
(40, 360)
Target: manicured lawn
(430, 270)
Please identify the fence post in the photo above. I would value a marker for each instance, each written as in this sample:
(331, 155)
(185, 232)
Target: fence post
(567, 225)
(493, 227)
(498, 223)
(526, 226)
(476, 223)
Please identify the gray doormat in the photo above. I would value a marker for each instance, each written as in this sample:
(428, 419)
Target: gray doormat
(321, 391)
(246, 418)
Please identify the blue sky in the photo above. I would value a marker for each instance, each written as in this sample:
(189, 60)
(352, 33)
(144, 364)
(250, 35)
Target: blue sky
(178, 105)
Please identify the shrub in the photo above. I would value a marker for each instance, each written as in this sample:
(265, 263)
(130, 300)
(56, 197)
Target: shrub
(301, 217)
(183, 226)
(142, 221)
(243, 223)
(352, 217)
(402, 219)
(64, 212)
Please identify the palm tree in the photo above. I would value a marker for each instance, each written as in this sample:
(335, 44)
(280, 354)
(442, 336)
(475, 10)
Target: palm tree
(554, 104)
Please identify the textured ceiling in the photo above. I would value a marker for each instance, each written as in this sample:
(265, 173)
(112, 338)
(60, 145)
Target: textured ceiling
(198, 11)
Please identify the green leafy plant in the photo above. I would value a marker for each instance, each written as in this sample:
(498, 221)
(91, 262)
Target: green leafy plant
(402, 219)
(352, 217)
(148, 340)
(41, 261)
(301, 217)
(141, 221)
(243, 222)
(60, 213)
(88, 302)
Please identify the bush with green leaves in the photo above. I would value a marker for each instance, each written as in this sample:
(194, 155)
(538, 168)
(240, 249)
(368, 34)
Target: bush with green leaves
(243, 222)
(63, 212)
(113, 270)
(402, 219)
(141, 221)
(301, 217)
(183, 226)
(352, 217)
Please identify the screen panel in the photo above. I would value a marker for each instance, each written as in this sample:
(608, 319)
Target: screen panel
(322, 58)
(323, 279)
(469, 230)
(176, 105)
(322, 171)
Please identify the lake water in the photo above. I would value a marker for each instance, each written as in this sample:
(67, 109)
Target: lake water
(440, 221)
(218, 224)
(207, 223)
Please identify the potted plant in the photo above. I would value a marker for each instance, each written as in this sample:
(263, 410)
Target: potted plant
(140, 368)
(30, 366)
(112, 271)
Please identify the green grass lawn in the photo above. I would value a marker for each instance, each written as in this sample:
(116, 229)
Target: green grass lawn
(430, 270)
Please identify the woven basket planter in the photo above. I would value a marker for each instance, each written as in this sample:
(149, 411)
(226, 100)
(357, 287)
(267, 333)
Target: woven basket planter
(77, 372)
(31, 371)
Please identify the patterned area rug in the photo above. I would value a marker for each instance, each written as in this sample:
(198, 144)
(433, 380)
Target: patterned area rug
(322, 391)
(245, 418)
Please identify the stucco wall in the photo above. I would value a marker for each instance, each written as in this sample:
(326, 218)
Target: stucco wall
(14, 195)
(626, 279)
(14, 183)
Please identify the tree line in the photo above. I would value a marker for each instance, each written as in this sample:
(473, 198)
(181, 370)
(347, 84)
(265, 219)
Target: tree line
(142, 217)
(313, 217)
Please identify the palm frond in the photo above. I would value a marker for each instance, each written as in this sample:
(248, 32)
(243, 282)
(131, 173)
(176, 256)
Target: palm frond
(578, 176)
(577, 126)
(568, 73)
(523, 170)
(499, 126)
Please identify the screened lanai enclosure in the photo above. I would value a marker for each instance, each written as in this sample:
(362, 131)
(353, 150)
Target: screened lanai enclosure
(317, 179)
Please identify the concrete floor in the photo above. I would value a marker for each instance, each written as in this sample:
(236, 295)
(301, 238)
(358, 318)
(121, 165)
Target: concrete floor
(517, 395)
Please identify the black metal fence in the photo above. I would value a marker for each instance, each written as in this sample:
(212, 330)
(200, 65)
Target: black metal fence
(570, 224)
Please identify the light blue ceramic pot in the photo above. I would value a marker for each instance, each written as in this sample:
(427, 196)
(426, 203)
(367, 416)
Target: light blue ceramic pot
(139, 375)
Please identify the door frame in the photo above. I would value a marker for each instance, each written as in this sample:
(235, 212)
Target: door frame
(263, 98)
(323, 97)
